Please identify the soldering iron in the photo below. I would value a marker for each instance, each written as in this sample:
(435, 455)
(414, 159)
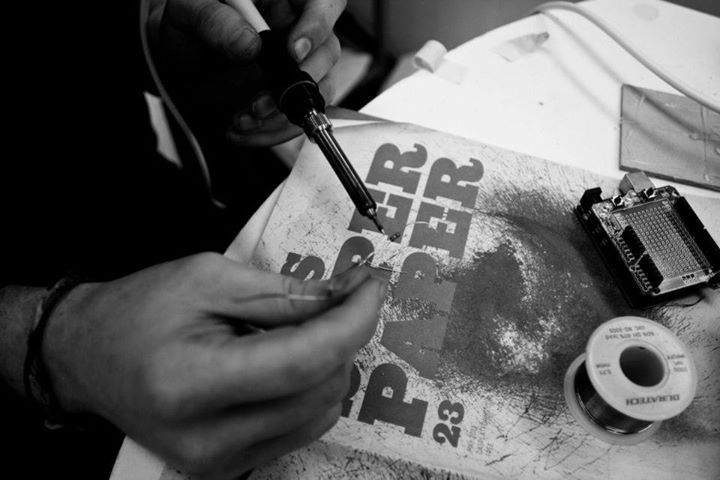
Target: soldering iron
(298, 96)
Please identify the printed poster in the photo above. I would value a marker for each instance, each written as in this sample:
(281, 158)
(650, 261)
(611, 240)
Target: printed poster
(494, 290)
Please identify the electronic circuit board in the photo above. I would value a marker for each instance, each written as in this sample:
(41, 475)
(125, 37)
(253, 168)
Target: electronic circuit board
(651, 239)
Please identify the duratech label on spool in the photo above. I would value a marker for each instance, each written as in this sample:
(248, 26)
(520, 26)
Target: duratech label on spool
(633, 374)
(640, 368)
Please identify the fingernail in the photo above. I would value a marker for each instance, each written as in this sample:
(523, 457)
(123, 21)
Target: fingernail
(302, 48)
(245, 122)
(264, 106)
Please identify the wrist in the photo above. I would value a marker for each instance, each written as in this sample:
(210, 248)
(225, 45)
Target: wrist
(61, 351)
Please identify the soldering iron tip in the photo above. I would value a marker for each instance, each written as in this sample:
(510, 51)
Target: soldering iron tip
(373, 216)
(379, 227)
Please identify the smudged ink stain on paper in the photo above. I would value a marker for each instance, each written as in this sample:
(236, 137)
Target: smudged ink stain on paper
(517, 332)
(527, 307)
(510, 334)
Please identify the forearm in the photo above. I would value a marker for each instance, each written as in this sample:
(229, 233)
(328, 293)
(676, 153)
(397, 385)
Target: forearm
(18, 307)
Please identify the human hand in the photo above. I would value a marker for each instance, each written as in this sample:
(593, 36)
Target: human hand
(158, 354)
(207, 51)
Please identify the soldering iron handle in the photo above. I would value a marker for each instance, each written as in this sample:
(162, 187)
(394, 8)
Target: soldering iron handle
(294, 91)
(298, 96)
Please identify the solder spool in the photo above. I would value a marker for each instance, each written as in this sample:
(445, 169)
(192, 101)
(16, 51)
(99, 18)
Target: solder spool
(634, 374)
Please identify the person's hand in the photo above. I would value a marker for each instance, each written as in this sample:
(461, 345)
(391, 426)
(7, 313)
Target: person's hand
(206, 51)
(160, 354)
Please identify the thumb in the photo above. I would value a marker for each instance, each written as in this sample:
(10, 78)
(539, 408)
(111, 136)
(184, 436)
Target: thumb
(219, 27)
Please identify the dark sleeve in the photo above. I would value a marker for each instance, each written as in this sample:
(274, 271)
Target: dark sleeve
(82, 185)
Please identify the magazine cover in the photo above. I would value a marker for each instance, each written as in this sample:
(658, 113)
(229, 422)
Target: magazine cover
(495, 289)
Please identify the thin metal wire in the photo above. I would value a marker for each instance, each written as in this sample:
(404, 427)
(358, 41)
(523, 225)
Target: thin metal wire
(363, 261)
(288, 296)
(391, 238)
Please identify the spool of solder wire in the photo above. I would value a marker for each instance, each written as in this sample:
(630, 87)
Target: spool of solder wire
(634, 374)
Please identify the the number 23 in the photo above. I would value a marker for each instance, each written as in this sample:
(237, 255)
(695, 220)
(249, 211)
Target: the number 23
(454, 413)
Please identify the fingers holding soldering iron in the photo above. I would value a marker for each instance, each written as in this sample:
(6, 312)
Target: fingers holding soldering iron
(321, 62)
(310, 22)
(263, 124)
(248, 129)
(314, 25)
(221, 30)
